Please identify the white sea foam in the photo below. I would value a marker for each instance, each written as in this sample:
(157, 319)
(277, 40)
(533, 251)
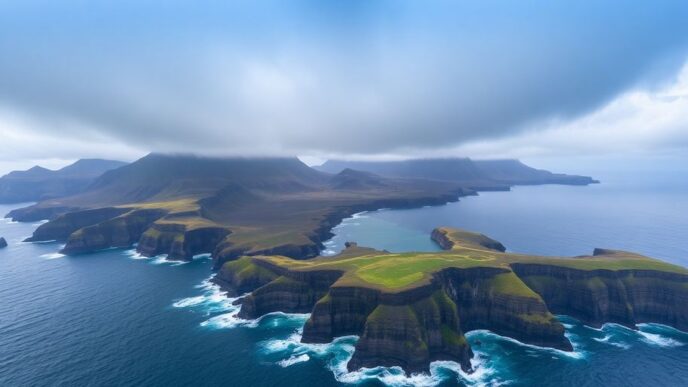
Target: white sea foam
(213, 299)
(229, 320)
(293, 360)
(359, 215)
(162, 260)
(133, 254)
(340, 351)
(577, 353)
(52, 256)
(608, 340)
(659, 340)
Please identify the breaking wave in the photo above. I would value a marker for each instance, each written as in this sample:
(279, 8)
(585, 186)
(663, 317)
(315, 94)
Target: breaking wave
(52, 256)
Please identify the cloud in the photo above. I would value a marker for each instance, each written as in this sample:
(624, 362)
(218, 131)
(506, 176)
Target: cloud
(320, 78)
(638, 122)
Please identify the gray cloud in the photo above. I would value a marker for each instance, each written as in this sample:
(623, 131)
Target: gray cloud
(305, 78)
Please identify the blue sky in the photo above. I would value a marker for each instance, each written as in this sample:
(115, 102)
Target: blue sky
(354, 79)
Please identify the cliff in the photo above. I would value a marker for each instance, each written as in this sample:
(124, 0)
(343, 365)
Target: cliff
(413, 308)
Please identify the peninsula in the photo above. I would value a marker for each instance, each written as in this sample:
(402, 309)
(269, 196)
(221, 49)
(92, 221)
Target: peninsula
(410, 309)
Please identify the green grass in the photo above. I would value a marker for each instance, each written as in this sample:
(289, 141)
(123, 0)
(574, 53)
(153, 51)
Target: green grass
(509, 283)
(396, 272)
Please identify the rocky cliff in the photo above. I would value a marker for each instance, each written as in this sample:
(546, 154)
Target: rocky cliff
(411, 309)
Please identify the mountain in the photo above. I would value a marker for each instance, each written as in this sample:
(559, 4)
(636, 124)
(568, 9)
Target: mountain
(352, 179)
(477, 174)
(183, 205)
(39, 183)
(514, 172)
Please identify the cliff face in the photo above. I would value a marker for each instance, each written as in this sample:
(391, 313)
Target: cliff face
(63, 226)
(411, 333)
(497, 300)
(121, 231)
(625, 297)
(411, 309)
(178, 241)
(36, 213)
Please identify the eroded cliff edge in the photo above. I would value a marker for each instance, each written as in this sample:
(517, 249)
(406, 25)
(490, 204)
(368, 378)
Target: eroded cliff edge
(411, 309)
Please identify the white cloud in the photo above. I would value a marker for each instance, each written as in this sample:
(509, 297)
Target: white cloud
(636, 123)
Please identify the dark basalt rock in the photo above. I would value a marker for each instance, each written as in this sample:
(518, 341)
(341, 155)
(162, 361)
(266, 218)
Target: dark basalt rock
(121, 231)
(625, 297)
(411, 328)
(179, 243)
(36, 213)
(3, 242)
(64, 225)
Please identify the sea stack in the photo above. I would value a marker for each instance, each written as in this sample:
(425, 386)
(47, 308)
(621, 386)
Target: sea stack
(3, 242)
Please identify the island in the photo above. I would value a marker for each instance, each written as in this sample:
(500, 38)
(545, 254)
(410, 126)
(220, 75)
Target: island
(3, 243)
(410, 309)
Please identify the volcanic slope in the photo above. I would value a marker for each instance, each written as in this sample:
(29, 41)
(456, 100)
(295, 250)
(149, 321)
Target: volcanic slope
(410, 309)
(39, 183)
(185, 205)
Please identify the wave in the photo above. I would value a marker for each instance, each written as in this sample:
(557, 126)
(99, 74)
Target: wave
(213, 299)
(338, 353)
(162, 260)
(53, 256)
(133, 254)
(577, 352)
(659, 340)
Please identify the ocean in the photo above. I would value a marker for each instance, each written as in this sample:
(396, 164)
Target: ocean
(115, 318)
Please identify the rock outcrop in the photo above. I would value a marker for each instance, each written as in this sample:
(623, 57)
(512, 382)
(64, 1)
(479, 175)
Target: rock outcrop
(3, 243)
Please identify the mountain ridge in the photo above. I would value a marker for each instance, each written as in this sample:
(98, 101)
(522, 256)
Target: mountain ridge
(38, 183)
(475, 174)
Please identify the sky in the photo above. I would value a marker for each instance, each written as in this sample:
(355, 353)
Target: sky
(569, 83)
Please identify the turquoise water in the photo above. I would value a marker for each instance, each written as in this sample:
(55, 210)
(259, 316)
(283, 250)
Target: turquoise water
(117, 319)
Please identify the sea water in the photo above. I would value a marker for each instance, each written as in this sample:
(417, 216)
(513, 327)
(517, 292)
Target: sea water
(116, 318)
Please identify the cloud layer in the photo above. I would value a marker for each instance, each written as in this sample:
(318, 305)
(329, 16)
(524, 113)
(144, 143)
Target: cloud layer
(305, 77)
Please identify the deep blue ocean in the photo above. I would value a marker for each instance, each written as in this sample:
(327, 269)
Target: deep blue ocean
(117, 319)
